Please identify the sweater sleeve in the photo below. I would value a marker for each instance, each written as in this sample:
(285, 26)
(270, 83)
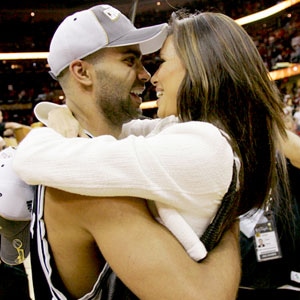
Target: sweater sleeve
(145, 127)
(188, 161)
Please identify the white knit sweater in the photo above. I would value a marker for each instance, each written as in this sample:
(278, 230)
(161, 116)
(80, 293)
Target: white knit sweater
(186, 168)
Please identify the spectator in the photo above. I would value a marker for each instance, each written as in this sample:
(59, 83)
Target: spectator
(278, 277)
(7, 128)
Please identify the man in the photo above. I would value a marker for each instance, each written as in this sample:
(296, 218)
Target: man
(7, 128)
(96, 57)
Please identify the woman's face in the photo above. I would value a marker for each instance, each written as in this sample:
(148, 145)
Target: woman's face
(167, 80)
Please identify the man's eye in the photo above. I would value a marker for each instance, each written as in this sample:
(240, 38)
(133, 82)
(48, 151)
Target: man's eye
(130, 60)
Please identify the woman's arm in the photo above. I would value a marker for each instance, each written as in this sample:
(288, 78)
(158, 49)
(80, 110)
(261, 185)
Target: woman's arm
(182, 163)
(61, 119)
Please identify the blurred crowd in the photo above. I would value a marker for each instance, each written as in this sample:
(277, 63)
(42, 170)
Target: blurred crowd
(28, 83)
(292, 111)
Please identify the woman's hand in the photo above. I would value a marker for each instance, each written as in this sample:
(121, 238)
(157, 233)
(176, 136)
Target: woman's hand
(63, 121)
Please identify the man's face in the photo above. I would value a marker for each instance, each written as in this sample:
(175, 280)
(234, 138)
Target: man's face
(121, 79)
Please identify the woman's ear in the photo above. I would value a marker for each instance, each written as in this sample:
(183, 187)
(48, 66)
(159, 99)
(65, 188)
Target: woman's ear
(80, 70)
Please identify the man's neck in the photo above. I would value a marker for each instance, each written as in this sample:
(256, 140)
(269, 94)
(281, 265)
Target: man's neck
(94, 122)
(98, 126)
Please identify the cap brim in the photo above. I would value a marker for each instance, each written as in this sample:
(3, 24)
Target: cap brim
(150, 38)
(15, 241)
(42, 109)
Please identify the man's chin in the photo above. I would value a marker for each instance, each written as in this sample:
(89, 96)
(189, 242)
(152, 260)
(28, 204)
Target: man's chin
(139, 111)
(136, 100)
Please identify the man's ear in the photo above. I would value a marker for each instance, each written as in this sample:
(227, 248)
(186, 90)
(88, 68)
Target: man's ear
(80, 70)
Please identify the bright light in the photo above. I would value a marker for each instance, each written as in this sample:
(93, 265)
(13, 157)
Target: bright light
(148, 104)
(267, 12)
(292, 70)
(23, 55)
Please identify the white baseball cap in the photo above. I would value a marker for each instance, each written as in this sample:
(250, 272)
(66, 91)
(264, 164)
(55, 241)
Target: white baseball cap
(16, 198)
(101, 26)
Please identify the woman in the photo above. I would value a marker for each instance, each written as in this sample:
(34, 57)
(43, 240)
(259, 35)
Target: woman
(214, 146)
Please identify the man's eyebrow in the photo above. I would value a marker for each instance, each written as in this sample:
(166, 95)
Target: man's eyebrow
(136, 53)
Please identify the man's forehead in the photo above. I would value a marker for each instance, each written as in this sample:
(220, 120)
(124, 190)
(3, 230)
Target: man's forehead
(132, 49)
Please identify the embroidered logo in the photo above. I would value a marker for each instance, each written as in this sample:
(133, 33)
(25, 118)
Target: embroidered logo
(295, 276)
(112, 13)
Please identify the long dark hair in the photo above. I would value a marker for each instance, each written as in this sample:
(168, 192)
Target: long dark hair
(227, 84)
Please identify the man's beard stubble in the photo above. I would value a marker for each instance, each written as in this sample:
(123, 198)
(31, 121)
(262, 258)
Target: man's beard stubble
(114, 101)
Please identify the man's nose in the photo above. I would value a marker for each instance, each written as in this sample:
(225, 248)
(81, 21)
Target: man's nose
(143, 74)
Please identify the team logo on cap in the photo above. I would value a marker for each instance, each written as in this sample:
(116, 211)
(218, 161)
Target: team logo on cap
(17, 244)
(112, 13)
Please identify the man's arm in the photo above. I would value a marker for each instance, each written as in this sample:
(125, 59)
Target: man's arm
(12, 125)
(150, 260)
